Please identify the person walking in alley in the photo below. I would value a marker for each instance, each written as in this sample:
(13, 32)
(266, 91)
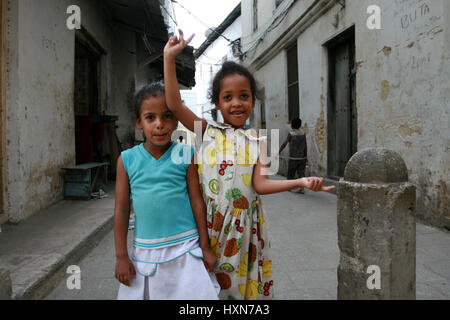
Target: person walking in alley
(298, 156)
(170, 237)
(233, 176)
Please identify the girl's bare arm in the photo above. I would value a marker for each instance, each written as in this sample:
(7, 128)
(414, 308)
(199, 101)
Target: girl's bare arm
(264, 185)
(124, 267)
(121, 210)
(199, 210)
(174, 47)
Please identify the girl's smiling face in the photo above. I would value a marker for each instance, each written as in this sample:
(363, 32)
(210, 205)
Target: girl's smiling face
(235, 100)
(157, 121)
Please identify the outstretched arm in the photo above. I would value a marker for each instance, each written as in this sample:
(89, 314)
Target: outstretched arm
(264, 185)
(173, 48)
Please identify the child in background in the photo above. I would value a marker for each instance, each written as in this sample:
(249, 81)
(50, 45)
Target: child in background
(297, 151)
(170, 237)
(231, 169)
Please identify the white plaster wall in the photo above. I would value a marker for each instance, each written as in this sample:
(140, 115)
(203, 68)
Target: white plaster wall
(40, 125)
(40, 85)
(404, 95)
(266, 9)
(402, 88)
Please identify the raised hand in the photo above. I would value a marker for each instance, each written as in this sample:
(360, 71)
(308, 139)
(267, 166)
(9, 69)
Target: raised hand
(174, 46)
(315, 184)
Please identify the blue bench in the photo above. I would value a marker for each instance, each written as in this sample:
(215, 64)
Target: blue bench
(81, 180)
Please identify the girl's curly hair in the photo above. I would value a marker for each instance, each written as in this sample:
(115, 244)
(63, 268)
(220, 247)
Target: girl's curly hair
(229, 68)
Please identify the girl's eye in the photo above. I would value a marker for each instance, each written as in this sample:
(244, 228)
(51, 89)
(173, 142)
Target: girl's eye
(168, 116)
(227, 97)
(149, 117)
(245, 96)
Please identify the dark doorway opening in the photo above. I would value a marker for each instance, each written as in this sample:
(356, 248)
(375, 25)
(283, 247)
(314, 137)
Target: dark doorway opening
(292, 83)
(341, 113)
(89, 130)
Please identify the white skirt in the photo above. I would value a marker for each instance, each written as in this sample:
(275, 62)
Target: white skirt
(170, 273)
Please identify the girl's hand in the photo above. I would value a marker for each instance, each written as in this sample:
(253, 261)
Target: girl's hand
(124, 270)
(174, 46)
(315, 184)
(209, 259)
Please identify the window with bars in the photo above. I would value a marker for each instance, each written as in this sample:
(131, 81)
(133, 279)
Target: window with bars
(292, 84)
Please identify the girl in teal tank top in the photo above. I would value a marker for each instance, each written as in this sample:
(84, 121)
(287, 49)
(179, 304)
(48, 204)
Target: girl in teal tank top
(171, 257)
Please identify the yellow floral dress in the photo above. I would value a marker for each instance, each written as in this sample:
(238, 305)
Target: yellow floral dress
(237, 227)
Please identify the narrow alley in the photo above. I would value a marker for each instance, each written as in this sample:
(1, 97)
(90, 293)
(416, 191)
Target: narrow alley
(304, 252)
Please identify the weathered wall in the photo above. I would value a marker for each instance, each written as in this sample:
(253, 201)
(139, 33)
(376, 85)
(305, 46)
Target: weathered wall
(403, 96)
(402, 93)
(40, 121)
(40, 113)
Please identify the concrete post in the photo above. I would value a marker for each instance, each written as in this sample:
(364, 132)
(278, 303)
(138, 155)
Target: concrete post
(5, 285)
(376, 228)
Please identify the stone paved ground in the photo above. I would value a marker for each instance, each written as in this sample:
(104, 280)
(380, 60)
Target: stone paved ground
(304, 250)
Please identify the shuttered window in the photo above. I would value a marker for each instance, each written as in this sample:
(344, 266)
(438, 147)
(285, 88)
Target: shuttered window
(293, 88)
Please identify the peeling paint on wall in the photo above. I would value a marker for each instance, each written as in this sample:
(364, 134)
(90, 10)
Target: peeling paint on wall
(385, 90)
(387, 51)
(320, 133)
(407, 130)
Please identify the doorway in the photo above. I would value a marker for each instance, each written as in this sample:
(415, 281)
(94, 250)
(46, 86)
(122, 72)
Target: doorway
(87, 99)
(3, 32)
(342, 113)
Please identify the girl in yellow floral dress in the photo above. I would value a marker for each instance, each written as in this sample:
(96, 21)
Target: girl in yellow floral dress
(232, 173)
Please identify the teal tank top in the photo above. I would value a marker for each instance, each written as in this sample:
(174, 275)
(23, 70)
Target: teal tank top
(163, 212)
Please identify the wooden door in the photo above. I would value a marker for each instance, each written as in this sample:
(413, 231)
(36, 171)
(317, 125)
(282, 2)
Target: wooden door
(342, 120)
(292, 83)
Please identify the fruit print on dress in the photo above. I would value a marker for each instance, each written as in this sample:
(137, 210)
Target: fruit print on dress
(235, 217)
(226, 267)
(232, 247)
(240, 202)
(214, 186)
(224, 280)
(250, 290)
(224, 145)
(223, 167)
(217, 221)
(215, 245)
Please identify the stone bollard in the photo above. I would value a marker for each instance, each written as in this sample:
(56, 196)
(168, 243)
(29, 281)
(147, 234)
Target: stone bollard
(5, 285)
(376, 228)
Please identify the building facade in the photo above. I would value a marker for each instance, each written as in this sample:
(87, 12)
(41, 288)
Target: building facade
(360, 74)
(63, 86)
